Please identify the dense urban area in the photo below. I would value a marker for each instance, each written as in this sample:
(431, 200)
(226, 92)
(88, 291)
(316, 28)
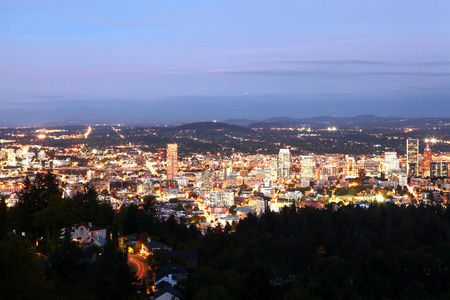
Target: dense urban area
(211, 210)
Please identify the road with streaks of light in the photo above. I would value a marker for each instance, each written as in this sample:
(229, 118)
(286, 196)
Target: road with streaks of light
(88, 132)
(138, 264)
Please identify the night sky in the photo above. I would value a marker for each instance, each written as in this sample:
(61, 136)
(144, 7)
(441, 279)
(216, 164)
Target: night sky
(223, 59)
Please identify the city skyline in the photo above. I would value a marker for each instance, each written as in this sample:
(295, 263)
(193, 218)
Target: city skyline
(176, 189)
(221, 59)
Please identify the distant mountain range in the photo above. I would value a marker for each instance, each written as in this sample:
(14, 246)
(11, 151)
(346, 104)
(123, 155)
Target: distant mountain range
(236, 110)
(362, 121)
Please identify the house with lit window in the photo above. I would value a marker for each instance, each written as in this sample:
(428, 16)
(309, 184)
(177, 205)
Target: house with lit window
(150, 246)
(86, 234)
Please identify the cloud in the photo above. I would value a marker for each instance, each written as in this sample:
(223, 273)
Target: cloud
(406, 73)
(48, 96)
(363, 62)
(325, 61)
(425, 88)
(433, 63)
(265, 72)
(177, 71)
(324, 73)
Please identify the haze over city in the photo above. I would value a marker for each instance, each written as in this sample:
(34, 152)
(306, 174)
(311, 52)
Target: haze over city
(177, 61)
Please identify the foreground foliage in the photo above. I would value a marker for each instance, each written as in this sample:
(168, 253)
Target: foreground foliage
(385, 251)
(35, 262)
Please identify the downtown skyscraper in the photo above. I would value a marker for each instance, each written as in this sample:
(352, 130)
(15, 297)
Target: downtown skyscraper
(427, 158)
(391, 162)
(284, 165)
(412, 157)
(172, 161)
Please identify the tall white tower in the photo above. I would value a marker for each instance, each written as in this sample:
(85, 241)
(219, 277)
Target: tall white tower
(284, 165)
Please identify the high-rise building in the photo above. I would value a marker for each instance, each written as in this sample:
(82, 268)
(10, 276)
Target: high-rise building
(29, 158)
(351, 168)
(221, 199)
(11, 157)
(207, 180)
(438, 169)
(308, 167)
(391, 161)
(427, 157)
(372, 168)
(328, 170)
(172, 161)
(402, 180)
(90, 175)
(412, 157)
(232, 180)
(284, 165)
(227, 170)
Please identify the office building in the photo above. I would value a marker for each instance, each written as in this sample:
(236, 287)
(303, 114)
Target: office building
(372, 168)
(172, 161)
(438, 169)
(308, 167)
(391, 161)
(221, 199)
(412, 157)
(284, 165)
(327, 171)
(207, 180)
(427, 157)
(351, 169)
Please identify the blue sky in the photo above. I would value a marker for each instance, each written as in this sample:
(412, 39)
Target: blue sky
(61, 52)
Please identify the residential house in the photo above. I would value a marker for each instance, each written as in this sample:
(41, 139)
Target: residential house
(171, 274)
(86, 233)
(167, 293)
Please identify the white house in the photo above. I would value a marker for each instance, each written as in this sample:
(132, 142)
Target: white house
(87, 234)
(167, 293)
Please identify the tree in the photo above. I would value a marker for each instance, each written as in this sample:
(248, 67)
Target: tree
(68, 269)
(150, 206)
(59, 213)
(21, 276)
(33, 198)
(111, 277)
(231, 210)
(3, 218)
(130, 223)
(155, 260)
(179, 207)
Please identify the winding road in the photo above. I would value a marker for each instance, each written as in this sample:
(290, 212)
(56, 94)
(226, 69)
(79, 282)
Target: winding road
(138, 264)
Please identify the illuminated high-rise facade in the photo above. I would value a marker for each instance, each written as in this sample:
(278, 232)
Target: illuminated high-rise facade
(351, 169)
(207, 180)
(427, 157)
(412, 157)
(438, 169)
(308, 167)
(328, 170)
(172, 161)
(284, 165)
(391, 161)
